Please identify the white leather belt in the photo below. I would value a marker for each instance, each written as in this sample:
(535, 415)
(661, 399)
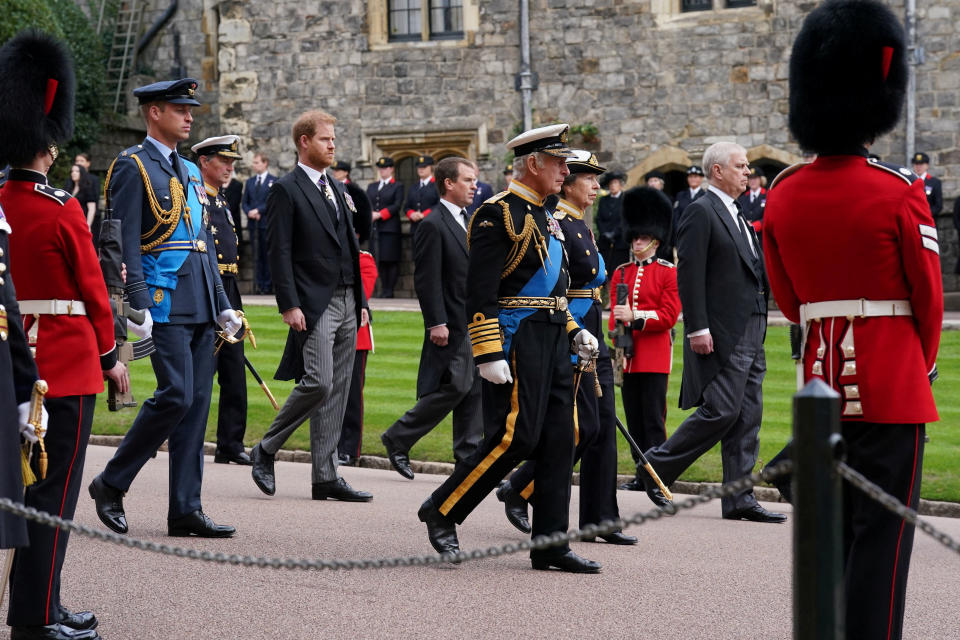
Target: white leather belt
(53, 307)
(861, 308)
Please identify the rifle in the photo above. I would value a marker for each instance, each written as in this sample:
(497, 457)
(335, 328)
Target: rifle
(111, 263)
(621, 336)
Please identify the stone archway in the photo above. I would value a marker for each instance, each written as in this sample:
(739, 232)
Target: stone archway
(665, 159)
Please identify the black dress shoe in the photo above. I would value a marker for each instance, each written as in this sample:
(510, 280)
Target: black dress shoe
(262, 471)
(56, 631)
(399, 460)
(109, 504)
(515, 507)
(346, 460)
(656, 496)
(756, 513)
(441, 530)
(569, 562)
(616, 537)
(339, 490)
(79, 620)
(633, 485)
(237, 458)
(198, 524)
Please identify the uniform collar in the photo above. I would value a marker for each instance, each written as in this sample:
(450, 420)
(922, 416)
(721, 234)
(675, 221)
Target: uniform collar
(211, 190)
(524, 192)
(649, 260)
(27, 175)
(570, 209)
(162, 148)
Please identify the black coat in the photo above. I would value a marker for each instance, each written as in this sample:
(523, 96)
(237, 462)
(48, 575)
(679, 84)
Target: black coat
(682, 202)
(305, 256)
(753, 211)
(17, 375)
(440, 279)
(934, 193)
(718, 281)
(388, 231)
(609, 227)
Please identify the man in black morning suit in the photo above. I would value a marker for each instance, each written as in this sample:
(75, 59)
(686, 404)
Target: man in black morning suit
(723, 289)
(314, 260)
(446, 381)
(386, 197)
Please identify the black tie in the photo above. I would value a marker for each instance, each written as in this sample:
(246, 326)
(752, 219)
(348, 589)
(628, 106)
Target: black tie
(742, 225)
(177, 166)
(463, 218)
(328, 193)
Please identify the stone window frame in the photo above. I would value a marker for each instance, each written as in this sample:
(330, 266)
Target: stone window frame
(467, 142)
(673, 10)
(379, 27)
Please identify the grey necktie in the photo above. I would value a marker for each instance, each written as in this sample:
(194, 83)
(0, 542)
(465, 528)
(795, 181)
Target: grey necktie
(742, 225)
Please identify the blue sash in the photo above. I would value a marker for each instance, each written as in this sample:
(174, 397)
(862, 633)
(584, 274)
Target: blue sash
(579, 306)
(539, 286)
(160, 269)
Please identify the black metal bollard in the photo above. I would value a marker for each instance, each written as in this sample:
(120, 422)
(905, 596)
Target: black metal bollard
(817, 525)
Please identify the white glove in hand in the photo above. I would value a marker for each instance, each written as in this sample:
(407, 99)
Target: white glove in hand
(229, 321)
(26, 429)
(497, 372)
(585, 344)
(141, 330)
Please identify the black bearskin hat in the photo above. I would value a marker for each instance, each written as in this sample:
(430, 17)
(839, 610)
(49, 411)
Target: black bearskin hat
(646, 211)
(36, 95)
(848, 75)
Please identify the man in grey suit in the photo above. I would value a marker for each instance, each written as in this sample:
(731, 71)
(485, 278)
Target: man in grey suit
(724, 290)
(314, 261)
(446, 381)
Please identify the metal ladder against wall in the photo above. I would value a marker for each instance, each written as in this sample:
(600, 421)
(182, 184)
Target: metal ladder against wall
(126, 27)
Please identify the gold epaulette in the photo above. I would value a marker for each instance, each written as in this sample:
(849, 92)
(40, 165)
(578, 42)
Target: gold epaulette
(485, 335)
(571, 323)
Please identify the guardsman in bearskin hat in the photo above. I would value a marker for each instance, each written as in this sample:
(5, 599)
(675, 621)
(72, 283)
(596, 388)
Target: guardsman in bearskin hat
(64, 303)
(596, 437)
(648, 312)
(522, 334)
(172, 271)
(386, 197)
(852, 254)
(216, 156)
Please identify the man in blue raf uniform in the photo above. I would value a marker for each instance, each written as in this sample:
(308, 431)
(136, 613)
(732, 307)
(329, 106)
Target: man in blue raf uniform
(596, 433)
(159, 198)
(216, 157)
(386, 196)
(522, 335)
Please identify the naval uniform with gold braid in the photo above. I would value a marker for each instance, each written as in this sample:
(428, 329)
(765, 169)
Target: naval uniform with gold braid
(231, 371)
(596, 431)
(516, 281)
(171, 272)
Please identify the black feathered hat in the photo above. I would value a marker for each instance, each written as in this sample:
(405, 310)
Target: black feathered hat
(848, 75)
(36, 96)
(646, 212)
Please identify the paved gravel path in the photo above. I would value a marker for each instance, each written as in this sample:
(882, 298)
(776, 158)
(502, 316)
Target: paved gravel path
(692, 576)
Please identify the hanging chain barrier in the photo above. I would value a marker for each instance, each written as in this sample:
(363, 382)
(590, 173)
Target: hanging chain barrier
(539, 543)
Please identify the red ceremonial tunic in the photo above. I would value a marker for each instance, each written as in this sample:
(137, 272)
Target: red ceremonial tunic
(652, 287)
(52, 257)
(845, 228)
(368, 274)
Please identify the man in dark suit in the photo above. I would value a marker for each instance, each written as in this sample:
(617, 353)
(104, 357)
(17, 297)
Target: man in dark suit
(386, 196)
(254, 204)
(610, 240)
(314, 259)
(446, 381)
(931, 185)
(683, 200)
(753, 201)
(172, 272)
(723, 289)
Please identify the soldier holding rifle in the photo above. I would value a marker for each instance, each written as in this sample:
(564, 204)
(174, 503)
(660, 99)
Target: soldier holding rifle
(64, 303)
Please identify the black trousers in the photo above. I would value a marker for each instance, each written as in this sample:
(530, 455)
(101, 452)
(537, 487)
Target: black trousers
(352, 433)
(232, 378)
(644, 398)
(389, 271)
(35, 578)
(532, 418)
(596, 440)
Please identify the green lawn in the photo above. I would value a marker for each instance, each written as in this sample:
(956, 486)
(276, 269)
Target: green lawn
(391, 384)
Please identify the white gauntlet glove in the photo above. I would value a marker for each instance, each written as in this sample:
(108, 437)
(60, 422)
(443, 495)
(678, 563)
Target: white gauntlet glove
(26, 429)
(585, 345)
(497, 372)
(141, 330)
(229, 321)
